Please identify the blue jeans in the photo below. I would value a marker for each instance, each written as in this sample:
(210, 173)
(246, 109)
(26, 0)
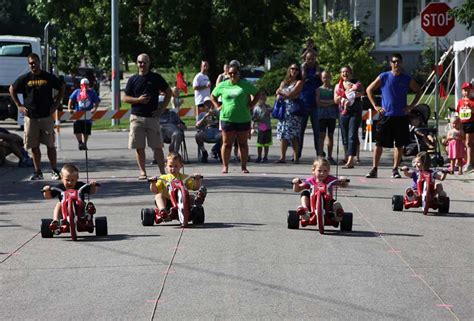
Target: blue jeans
(350, 132)
(313, 116)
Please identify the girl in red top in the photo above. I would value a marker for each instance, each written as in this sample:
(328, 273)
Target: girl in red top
(465, 109)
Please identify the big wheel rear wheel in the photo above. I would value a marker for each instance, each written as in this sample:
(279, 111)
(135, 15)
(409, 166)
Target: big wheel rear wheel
(397, 203)
(147, 216)
(293, 220)
(101, 226)
(183, 207)
(45, 230)
(198, 215)
(346, 223)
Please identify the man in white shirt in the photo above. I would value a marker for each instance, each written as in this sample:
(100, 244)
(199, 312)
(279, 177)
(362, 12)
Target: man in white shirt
(201, 86)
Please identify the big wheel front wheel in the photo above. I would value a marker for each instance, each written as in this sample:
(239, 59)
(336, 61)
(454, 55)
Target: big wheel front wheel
(183, 207)
(72, 223)
(45, 230)
(426, 198)
(320, 214)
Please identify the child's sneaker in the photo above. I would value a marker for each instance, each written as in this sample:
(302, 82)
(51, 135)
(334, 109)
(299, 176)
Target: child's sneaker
(38, 175)
(338, 211)
(90, 208)
(258, 160)
(410, 194)
(265, 160)
(200, 195)
(303, 213)
(55, 175)
(54, 226)
(161, 216)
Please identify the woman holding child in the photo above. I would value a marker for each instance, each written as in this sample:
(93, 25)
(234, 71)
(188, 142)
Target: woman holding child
(346, 93)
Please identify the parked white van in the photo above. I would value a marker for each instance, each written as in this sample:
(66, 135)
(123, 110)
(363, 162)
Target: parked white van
(14, 51)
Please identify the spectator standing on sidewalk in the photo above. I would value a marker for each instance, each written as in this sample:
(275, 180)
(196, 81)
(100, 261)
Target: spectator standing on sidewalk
(393, 127)
(311, 81)
(201, 86)
(142, 92)
(38, 107)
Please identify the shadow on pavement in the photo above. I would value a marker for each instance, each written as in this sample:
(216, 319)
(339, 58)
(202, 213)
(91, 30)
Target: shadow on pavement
(224, 225)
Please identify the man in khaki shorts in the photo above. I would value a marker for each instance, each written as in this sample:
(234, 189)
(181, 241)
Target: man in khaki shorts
(37, 89)
(142, 92)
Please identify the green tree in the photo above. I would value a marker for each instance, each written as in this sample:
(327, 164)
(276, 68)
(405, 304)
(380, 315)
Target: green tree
(464, 14)
(15, 20)
(340, 43)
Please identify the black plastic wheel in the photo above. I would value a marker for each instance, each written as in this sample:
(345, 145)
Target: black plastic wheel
(346, 223)
(101, 226)
(293, 220)
(397, 203)
(45, 231)
(148, 216)
(443, 205)
(197, 214)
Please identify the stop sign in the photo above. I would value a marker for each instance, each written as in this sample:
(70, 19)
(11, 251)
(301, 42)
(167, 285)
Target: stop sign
(435, 19)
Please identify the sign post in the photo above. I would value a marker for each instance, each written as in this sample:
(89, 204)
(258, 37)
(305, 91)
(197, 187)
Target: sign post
(436, 22)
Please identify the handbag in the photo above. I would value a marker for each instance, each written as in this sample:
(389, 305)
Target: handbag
(297, 107)
(278, 111)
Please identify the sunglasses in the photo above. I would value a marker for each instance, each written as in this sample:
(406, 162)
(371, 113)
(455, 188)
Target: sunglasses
(233, 73)
(141, 62)
(396, 61)
(294, 68)
(32, 63)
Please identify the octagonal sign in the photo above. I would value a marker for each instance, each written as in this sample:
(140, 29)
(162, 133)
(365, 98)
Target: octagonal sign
(435, 19)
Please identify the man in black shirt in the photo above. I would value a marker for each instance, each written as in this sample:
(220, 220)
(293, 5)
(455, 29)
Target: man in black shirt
(38, 106)
(142, 92)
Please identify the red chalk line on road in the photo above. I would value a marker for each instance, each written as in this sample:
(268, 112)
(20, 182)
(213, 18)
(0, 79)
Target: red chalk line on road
(397, 252)
(18, 248)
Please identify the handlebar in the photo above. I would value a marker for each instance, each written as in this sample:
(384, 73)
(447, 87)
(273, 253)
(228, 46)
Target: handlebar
(156, 178)
(54, 188)
(330, 183)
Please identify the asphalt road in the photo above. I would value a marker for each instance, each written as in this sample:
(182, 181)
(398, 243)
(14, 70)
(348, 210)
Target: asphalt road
(243, 263)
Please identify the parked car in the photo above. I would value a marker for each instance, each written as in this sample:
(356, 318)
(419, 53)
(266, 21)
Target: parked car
(252, 74)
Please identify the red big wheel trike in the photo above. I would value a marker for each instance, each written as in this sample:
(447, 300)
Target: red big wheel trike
(321, 214)
(425, 197)
(77, 215)
(180, 208)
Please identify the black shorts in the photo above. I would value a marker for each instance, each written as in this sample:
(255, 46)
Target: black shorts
(468, 127)
(328, 125)
(82, 127)
(264, 138)
(235, 127)
(305, 193)
(392, 130)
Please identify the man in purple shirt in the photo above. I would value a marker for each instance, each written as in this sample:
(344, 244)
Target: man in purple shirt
(392, 128)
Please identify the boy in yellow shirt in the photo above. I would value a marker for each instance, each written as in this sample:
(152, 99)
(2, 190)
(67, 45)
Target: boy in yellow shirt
(174, 163)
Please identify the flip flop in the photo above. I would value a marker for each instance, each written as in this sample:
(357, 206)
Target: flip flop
(347, 166)
(142, 177)
(280, 161)
(245, 171)
(224, 171)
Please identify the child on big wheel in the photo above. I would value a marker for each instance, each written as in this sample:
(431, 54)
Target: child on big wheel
(69, 180)
(174, 163)
(320, 171)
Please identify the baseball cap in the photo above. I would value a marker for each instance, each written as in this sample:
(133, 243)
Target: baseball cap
(84, 81)
(466, 85)
(207, 98)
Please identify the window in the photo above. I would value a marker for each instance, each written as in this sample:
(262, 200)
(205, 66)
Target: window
(14, 49)
(398, 24)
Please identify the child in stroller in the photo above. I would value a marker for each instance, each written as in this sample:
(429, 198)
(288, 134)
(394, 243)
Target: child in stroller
(423, 138)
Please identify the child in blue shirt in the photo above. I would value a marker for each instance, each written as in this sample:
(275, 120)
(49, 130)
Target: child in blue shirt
(83, 99)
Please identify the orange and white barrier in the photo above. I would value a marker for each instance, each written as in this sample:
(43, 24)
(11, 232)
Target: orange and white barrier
(368, 130)
(187, 112)
(77, 115)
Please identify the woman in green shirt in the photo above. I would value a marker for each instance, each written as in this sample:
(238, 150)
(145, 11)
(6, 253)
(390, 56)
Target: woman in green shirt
(238, 98)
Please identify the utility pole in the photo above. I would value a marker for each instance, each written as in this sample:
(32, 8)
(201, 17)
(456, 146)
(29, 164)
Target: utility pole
(115, 60)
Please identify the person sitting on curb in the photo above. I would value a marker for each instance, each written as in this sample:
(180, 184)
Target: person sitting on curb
(13, 143)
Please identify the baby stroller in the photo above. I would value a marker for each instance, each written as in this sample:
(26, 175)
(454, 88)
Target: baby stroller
(422, 137)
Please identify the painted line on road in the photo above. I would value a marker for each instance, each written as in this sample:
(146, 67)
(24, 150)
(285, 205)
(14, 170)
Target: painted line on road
(167, 272)
(397, 253)
(18, 248)
(447, 306)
